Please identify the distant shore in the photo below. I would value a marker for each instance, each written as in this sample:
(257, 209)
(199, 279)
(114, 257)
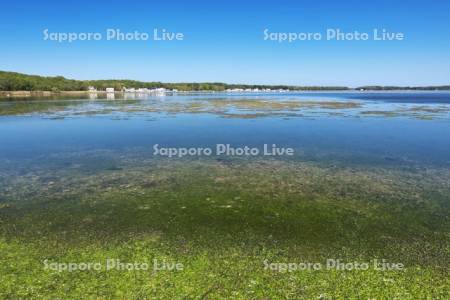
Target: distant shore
(25, 94)
(16, 85)
(14, 94)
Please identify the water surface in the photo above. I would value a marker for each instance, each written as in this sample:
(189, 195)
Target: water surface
(406, 129)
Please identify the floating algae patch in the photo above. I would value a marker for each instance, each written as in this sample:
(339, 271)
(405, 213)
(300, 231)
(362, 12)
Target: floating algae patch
(277, 104)
(379, 113)
(429, 109)
(28, 107)
(259, 115)
(419, 112)
(171, 106)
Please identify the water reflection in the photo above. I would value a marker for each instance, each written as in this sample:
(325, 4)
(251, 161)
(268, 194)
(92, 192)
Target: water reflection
(93, 96)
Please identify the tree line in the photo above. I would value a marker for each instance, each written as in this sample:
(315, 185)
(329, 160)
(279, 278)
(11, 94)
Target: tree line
(12, 81)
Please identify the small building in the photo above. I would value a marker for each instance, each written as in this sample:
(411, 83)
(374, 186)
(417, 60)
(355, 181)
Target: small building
(92, 89)
(110, 90)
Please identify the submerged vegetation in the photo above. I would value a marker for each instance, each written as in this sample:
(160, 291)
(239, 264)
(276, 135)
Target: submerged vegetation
(222, 219)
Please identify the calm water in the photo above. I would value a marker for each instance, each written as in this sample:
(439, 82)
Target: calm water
(408, 129)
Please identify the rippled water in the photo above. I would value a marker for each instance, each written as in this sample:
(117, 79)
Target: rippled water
(363, 128)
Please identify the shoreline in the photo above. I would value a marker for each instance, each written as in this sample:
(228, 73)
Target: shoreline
(19, 94)
(25, 94)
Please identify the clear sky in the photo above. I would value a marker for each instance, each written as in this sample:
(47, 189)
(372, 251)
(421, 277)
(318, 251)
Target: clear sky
(224, 41)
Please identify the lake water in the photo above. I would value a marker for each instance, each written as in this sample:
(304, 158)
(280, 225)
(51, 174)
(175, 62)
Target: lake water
(370, 179)
(395, 128)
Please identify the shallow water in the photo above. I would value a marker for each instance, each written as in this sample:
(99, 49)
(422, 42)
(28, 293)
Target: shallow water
(369, 180)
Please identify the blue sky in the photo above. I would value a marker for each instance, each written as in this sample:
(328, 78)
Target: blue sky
(224, 41)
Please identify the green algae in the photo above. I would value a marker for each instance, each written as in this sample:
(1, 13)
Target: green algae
(222, 219)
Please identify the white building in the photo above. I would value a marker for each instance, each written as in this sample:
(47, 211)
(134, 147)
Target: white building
(110, 90)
